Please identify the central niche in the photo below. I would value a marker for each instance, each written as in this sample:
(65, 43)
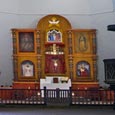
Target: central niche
(54, 53)
(55, 63)
(53, 46)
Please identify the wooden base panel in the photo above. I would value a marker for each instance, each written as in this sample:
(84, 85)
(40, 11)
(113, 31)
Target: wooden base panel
(26, 85)
(85, 85)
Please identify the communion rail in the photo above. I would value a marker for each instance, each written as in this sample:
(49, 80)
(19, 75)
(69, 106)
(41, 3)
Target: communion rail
(57, 96)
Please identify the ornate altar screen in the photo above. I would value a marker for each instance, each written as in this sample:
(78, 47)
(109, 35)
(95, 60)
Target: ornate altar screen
(54, 49)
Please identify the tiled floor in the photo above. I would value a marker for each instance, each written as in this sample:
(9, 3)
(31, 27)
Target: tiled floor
(37, 110)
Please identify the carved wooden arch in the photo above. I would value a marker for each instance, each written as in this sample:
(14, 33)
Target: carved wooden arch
(43, 23)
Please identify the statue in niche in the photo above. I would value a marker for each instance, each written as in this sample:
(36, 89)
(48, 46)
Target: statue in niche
(27, 69)
(82, 43)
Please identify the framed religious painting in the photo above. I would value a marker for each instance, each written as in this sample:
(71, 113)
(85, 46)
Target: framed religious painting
(26, 42)
(26, 68)
(84, 41)
(84, 69)
(54, 36)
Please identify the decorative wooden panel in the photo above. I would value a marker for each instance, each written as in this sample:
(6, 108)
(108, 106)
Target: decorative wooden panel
(26, 50)
(82, 54)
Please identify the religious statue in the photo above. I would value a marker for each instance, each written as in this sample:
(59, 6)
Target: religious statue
(27, 69)
(82, 43)
(55, 64)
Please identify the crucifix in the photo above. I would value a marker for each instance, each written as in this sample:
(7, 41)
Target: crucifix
(55, 64)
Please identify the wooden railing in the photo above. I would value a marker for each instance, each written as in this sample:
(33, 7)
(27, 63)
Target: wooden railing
(21, 96)
(93, 97)
(57, 96)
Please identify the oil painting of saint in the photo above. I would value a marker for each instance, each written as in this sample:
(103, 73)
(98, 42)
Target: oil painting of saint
(26, 41)
(83, 69)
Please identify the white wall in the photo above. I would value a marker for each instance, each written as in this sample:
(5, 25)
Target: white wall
(81, 14)
(8, 19)
(100, 6)
(31, 12)
(9, 6)
(54, 6)
(113, 4)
